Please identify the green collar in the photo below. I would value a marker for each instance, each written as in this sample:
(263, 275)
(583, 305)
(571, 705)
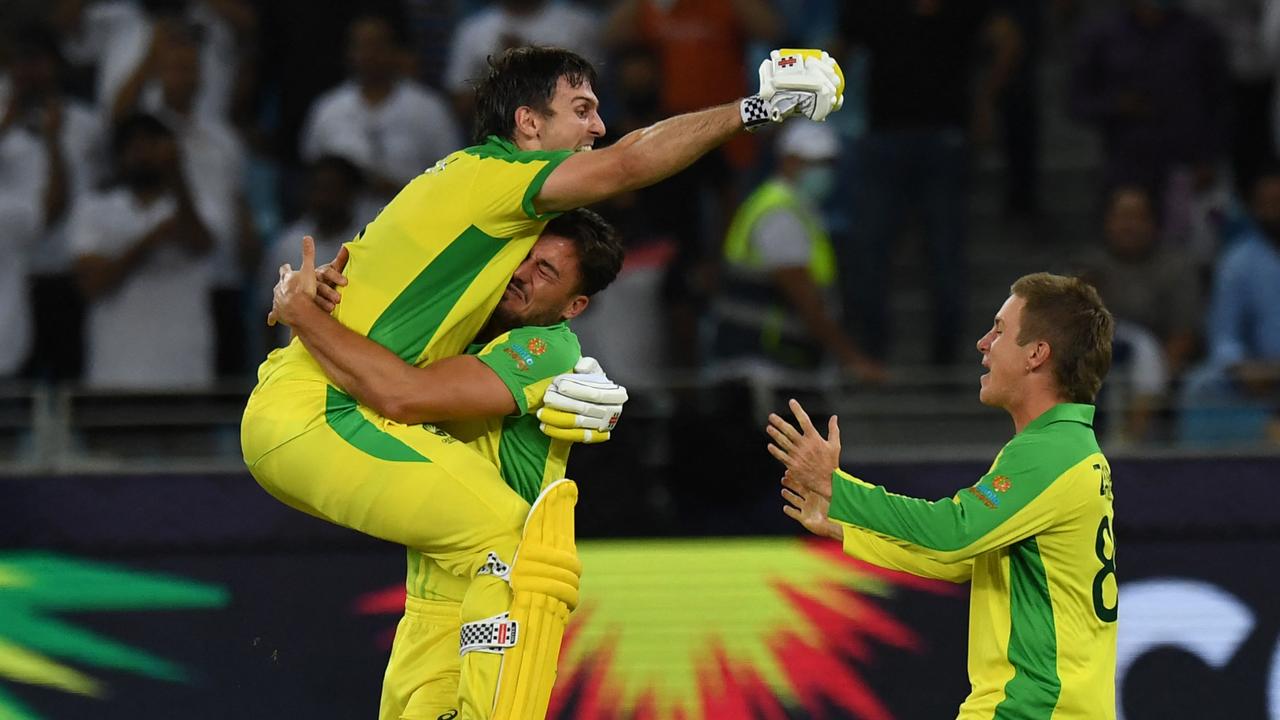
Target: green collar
(500, 144)
(1063, 412)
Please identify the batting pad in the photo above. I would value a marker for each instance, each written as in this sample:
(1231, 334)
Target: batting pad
(544, 586)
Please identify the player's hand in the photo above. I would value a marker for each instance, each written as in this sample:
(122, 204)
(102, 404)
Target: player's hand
(582, 406)
(809, 458)
(295, 287)
(793, 83)
(809, 509)
(329, 278)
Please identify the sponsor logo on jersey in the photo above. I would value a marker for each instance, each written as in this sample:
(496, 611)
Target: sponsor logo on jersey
(523, 358)
(986, 496)
(1001, 484)
(537, 346)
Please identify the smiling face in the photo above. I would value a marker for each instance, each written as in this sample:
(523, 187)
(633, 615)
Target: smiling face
(1002, 356)
(545, 288)
(572, 120)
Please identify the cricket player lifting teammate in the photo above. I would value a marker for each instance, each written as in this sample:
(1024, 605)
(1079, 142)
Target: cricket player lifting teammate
(423, 278)
(525, 344)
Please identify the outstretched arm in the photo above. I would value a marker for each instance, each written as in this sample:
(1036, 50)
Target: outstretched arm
(805, 83)
(454, 388)
(812, 511)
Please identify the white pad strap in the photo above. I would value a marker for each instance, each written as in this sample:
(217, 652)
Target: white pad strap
(490, 635)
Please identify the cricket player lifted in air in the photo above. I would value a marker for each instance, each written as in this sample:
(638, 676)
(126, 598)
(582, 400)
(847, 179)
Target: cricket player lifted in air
(525, 344)
(1034, 535)
(423, 278)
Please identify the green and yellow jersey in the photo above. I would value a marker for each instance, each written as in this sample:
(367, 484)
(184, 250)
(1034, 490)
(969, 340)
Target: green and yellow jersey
(525, 359)
(1035, 535)
(424, 276)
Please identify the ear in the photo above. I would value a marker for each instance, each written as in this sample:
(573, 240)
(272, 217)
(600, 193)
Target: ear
(1040, 353)
(575, 307)
(528, 123)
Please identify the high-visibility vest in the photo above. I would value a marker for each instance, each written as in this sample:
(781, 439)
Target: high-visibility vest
(749, 298)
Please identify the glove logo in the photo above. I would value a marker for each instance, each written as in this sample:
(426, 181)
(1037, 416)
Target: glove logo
(537, 346)
(788, 61)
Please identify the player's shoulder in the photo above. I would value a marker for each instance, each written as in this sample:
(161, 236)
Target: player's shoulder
(552, 348)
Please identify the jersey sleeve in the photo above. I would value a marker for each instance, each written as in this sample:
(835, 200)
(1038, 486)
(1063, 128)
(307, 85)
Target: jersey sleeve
(507, 183)
(994, 512)
(883, 552)
(526, 359)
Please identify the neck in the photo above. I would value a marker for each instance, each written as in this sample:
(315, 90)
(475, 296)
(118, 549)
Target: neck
(491, 330)
(1031, 407)
(376, 90)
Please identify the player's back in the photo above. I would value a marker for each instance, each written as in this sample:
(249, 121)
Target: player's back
(424, 276)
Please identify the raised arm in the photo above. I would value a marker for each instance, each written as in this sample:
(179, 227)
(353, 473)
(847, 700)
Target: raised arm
(641, 158)
(808, 84)
(455, 388)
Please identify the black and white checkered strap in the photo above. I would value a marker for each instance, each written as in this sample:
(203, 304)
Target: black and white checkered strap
(491, 635)
(494, 566)
(755, 112)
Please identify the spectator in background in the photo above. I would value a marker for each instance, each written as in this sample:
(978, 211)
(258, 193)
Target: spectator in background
(915, 153)
(700, 45)
(1154, 294)
(1239, 24)
(51, 151)
(21, 222)
(390, 126)
(222, 31)
(1152, 78)
(103, 41)
(1270, 33)
(776, 308)
(213, 159)
(142, 257)
(512, 23)
(1235, 395)
(333, 190)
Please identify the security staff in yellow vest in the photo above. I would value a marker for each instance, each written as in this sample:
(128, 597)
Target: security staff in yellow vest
(774, 307)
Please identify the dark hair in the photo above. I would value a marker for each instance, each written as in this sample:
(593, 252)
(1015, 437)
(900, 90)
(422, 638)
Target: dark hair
(1067, 313)
(340, 165)
(524, 76)
(137, 125)
(599, 248)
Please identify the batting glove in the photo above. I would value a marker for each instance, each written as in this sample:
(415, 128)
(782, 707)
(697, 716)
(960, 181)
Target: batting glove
(582, 406)
(807, 83)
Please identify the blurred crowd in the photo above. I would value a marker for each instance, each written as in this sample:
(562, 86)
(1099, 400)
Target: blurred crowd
(159, 160)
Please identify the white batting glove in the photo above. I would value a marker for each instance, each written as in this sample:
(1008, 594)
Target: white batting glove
(804, 82)
(582, 406)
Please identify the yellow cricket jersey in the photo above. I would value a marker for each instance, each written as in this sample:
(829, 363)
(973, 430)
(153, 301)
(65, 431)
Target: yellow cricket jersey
(1035, 535)
(525, 359)
(424, 276)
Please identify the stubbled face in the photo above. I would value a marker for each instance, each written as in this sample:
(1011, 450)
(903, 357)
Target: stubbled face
(1130, 225)
(1003, 358)
(543, 288)
(574, 119)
